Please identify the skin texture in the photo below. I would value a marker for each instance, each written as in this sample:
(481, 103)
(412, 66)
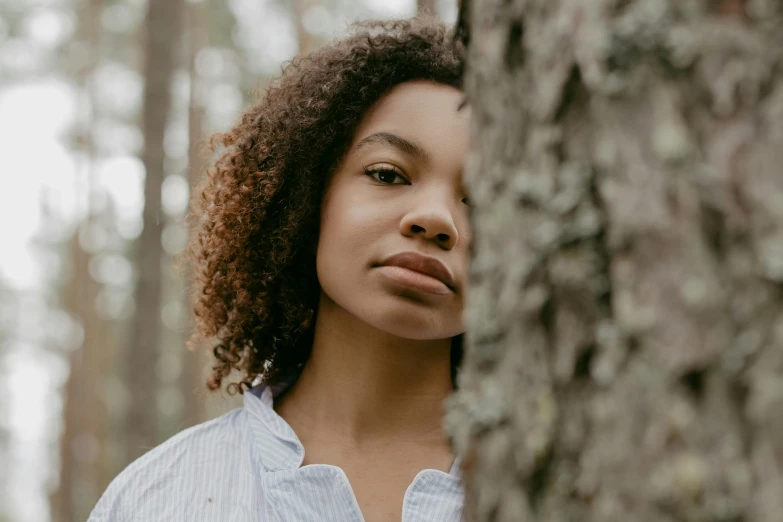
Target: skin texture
(370, 396)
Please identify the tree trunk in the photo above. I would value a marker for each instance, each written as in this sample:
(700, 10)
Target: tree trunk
(307, 41)
(83, 464)
(192, 378)
(624, 351)
(162, 31)
(83, 473)
(426, 6)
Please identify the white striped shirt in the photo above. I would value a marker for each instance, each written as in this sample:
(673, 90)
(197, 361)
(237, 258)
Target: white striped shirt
(244, 466)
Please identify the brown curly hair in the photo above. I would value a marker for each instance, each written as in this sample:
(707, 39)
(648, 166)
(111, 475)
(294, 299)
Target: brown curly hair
(255, 291)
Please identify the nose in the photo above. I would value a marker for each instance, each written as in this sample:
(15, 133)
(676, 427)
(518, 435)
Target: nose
(431, 218)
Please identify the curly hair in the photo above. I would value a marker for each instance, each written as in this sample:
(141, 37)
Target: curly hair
(255, 290)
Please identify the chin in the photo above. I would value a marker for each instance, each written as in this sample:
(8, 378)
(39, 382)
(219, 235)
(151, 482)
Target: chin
(410, 323)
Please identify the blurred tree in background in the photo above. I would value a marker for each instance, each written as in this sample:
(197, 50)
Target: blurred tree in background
(161, 38)
(105, 111)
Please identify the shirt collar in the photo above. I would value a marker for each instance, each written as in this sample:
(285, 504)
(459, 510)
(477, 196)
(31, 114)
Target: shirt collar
(279, 447)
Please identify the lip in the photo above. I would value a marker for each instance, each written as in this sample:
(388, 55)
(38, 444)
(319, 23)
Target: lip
(422, 264)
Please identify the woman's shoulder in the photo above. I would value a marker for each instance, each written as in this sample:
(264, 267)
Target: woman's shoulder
(168, 479)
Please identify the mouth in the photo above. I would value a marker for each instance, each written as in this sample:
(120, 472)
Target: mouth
(419, 269)
(405, 277)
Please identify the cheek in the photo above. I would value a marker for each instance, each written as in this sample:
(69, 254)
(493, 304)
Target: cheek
(344, 252)
(347, 230)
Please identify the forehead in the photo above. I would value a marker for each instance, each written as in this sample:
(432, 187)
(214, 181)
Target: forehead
(423, 111)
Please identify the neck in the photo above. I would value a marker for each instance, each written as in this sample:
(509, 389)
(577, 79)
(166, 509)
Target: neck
(364, 388)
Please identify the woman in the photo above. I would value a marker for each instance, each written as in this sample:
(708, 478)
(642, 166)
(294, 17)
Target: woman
(331, 266)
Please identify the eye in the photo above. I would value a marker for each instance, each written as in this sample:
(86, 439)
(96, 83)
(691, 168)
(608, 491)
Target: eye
(385, 175)
(466, 201)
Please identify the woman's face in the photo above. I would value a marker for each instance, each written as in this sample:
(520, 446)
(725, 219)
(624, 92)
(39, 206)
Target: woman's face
(399, 189)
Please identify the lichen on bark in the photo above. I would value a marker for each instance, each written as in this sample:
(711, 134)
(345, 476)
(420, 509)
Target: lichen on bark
(624, 344)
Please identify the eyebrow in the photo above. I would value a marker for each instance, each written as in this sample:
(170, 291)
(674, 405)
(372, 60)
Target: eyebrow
(400, 143)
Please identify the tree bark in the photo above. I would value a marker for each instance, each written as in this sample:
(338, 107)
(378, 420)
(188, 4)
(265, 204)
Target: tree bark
(624, 352)
(162, 30)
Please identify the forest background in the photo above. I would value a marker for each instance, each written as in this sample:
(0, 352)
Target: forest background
(105, 108)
